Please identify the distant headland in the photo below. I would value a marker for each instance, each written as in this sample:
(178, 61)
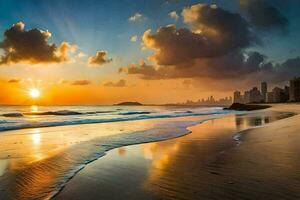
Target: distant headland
(246, 107)
(129, 103)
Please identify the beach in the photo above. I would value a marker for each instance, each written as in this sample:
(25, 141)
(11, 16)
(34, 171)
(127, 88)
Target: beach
(206, 164)
(245, 155)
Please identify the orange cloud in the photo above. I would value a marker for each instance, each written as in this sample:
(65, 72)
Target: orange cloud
(120, 83)
(99, 58)
(81, 82)
(14, 80)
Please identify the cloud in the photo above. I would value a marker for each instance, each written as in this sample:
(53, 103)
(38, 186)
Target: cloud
(251, 66)
(143, 69)
(120, 83)
(32, 46)
(187, 83)
(134, 38)
(62, 81)
(81, 82)
(263, 15)
(215, 32)
(174, 15)
(136, 17)
(14, 81)
(99, 58)
(213, 46)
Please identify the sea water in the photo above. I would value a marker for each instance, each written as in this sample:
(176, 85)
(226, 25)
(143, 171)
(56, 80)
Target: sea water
(17, 117)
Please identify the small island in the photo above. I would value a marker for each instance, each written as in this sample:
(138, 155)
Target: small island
(246, 107)
(129, 103)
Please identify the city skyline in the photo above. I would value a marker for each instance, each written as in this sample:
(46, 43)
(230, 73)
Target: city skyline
(290, 93)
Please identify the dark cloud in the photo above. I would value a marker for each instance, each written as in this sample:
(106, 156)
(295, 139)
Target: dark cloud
(14, 81)
(120, 83)
(289, 68)
(81, 82)
(212, 48)
(263, 15)
(215, 32)
(236, 65)
(31, 46)
(142, 68)
(99, 58)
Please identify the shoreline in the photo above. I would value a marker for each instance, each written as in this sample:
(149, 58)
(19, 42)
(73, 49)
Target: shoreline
(57, 156)
(42, 157)
(64, 194)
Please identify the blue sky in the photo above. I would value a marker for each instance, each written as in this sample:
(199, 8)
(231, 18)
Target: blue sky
(104, 25)
(94, 24)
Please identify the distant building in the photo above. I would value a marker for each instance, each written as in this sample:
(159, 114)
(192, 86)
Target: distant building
(255, 95)
(294, 89)
(278, 95)
(247, 97)
(270, 97)
(209, 101)
(287, 92)
(237, 98)
(264, 91)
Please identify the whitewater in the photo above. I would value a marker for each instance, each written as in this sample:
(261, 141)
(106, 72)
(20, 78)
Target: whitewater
(18, 117)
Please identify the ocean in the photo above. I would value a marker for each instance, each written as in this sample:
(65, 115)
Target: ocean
(18, 117)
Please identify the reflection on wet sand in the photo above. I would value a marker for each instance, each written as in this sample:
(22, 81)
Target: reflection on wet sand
(34, 163)
(202, 165)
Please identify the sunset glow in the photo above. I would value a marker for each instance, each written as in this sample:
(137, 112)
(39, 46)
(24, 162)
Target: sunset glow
(34, 93)
(151, 99)
(177, 52)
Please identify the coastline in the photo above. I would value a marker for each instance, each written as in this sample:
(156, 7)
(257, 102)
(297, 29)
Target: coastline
(36, 163)
(29, 154)
(215, 166)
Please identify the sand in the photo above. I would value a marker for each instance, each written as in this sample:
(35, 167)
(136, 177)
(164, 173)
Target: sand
(206, 164)
(35, 163)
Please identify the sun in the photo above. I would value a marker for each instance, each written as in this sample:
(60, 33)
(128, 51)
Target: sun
(34, 93)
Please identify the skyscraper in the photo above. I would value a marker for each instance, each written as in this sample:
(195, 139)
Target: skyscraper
(264, 91)
(255, 95)
(295, 89)
(237, 98)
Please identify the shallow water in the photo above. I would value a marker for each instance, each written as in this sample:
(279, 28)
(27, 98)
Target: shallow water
(18, 117)
(38, 162)
(191, 167)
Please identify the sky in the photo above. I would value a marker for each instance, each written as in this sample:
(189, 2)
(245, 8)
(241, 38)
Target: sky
(155, 51)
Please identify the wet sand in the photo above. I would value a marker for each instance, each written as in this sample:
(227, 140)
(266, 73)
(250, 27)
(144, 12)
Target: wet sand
(206, 164)
(35, 163)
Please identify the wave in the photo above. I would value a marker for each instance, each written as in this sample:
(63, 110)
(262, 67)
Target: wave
(136, 113)
(188, 111)
(59, 113)
(13, 115)
(99, 147)
(65, 165)
(68, 163)
(76, 121)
